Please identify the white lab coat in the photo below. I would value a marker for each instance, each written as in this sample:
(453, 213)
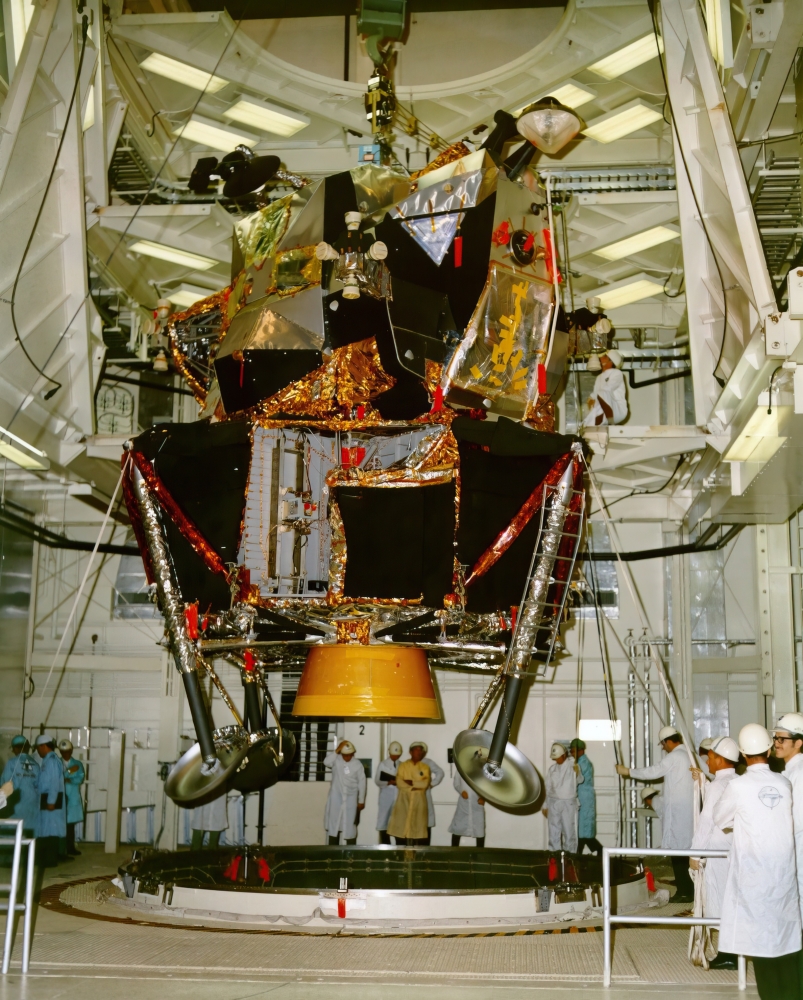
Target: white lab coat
(562, 804)
(387, 793)
(345, 792)
(708, 836)
(794, 772)
(213, 816)
(469, 815)
(610, 386)
(437, 774)
(677, 818)
(760, 909)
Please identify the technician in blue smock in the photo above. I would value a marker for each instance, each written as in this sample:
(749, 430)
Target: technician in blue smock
(587, 799)
(22, 770)
(51, 821)
(74, 775)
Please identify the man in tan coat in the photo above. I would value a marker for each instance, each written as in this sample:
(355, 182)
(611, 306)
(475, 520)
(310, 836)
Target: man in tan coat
(408, 821)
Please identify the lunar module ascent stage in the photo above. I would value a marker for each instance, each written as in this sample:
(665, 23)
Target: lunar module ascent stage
(344, 504)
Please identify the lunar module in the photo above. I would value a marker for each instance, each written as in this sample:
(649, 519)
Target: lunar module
(374, 487)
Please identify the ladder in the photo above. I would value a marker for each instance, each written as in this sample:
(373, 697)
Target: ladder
(11, 834)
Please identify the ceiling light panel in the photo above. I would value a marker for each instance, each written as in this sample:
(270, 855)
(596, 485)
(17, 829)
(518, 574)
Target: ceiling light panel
(622, 121)
(150, 249)
(572, 94)
(213, 135)
(625, 294)
(636, 244)
(21, 453)
(267, 117)
(631, 56)
(187, 296)
(180, 72)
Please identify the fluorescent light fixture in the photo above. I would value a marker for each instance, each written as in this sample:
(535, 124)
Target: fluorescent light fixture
(720, 39)
(214, 135)
(622, 293)
(180, 72)
(760, 438)
(622, 121)
(266, 117)
(89, 111)
(635, 244)
(635, 54)
(571, 94)
(26, 456)
(187, 296)
(600, 730)
(171, 254)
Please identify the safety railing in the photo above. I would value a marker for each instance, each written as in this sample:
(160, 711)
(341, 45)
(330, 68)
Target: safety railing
(609, 918)
(12, 907)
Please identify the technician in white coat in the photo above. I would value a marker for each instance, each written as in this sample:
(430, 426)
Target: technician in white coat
(211, 818)
(469, 814)
(437, 775)
(723, 756)
(386, 781)
(608, 405)
(346, 794)
(677, 818)
(788, 747)
(562, 780)
(760, 909)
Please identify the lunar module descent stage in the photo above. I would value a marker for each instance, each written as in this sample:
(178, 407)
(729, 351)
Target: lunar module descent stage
(344, 503)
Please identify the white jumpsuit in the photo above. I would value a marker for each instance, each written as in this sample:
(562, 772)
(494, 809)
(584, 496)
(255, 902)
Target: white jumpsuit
(794, 772)
(345, 792)
(760, 908)
(677, 818)
(387, 793)
(561, 803)
(213, 816)
(709, 837)
(469, 815)
(609, 386)
(437, 774)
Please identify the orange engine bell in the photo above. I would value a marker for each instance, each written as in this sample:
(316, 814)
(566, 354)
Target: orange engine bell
(381, 682)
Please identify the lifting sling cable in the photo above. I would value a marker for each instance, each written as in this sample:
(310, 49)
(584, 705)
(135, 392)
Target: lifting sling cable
(656, 657)
(89, 565)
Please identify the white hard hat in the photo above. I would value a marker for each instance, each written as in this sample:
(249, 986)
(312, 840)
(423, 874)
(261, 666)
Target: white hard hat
(647, 792)
(665, 732)
(791, 723)
(726, 747)
(558, 750)
(593, 364)
(44, 738)
(707, 743)
(65, 745)
(616, 357)
(395, 748)
(420, 743)
(754, 739)
(347, 747)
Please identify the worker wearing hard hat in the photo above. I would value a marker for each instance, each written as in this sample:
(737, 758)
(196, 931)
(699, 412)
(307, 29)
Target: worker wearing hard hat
(408, 821)
(723, 756)
(386, 781)
(51, 822)
(346, 793)
(469, 814)
(702, 753)
(608, 404)
(760, 907)
(788, 743)
(22, 770)
(586, 801)
(74, 775)
(651, 799)
(677, 821)
(562, 780)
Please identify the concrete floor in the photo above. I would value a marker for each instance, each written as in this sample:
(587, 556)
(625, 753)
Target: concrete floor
(75, 958)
